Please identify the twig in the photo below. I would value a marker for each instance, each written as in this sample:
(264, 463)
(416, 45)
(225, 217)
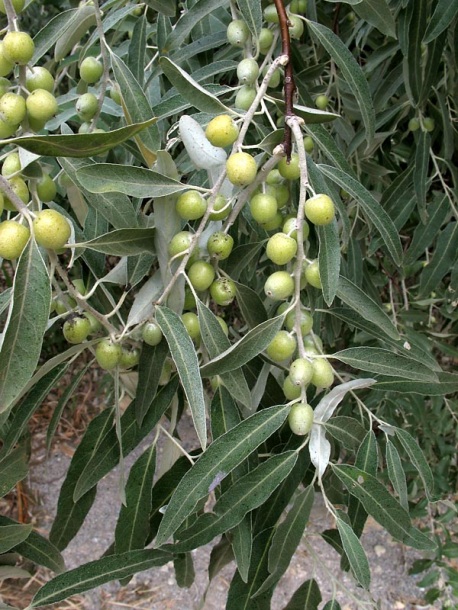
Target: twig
(106, 63)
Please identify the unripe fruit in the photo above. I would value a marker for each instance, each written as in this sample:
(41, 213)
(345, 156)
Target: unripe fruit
(94, 323)
(263, 207)
(298, 6)
(274, 79)
(301, 372)
(223, 325)
(166, 372)
(290, 228)
(191, 205)
(201, 275)
(51, 229)
(18, 5)
(91, 69)
(4, 85)
(129, 357)
(219, 245)
(115, 95)
(321, 102)
(18, 47)
(429, 123)
(241, 169)
(76, 329)
(274, 177)
(39, 78)
(80, 285)
(221, 208)
(191, 322)
(108, 354)
(281, 248)
(279, 286)
(273, 224)
(11, 164)
(300, 418)
(308, 144)
(41, 105)
(414, 124)
(46, 188)
(6, 65)
(266, 39)
(86, 106)
(64, 304)
(291, 170)
(20, 188)
(12, 109)
(296, 26)
(312, 274)
(270, 14)
(189, 299)
(222, 131)
(151, 333)
(223, 291)
(282, 346)
(248, 71)
(313, 341)
(280, 192)
(290, 390)
(306, 321)
(323, 375)
(244, 98)
(320, 209)
(13, 239)
(237, 33)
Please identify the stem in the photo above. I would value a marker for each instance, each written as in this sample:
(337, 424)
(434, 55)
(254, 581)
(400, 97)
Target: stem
(290, 86)
(15, 200)
(106, 63)
(11, 16)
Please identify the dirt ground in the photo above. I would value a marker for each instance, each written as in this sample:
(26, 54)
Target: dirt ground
(392, 588)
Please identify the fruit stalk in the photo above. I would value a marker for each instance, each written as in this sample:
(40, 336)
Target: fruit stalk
(289, 84)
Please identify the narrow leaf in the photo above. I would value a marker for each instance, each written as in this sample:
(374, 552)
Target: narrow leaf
(26, 326)
(188, 20)
(122, 242)
(355, 553)
(253, 343)
(127, 179)
(350, 71)
(443, 15)
(185, 358)
(221, 457)
(378, 14)
(421, 172)
(96, 573)
(307, 596)
(385, 362)
(329, 258)
(149, 372)
(11, 535)
(443, 259)
(13, 468)
(371, 208)
(396, 473)
(251, 11)
(418, 459)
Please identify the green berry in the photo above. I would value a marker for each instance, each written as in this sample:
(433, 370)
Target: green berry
(414, 124)
(321, 102)
(39, 78)
(429, 123)
(308, 144)
(46, 188)
(51, 229)
(282, 346)
(180, 243)
(219, 245)
(201, 275)
(279, 286)
(12, 109)
(263, 207)
(191, 322)
(191, 205)
(248, 71)
(244, 98)
(18, 47)
(41, 105)
(221, 208)
(270, 14)
(6, 66)
(222, 131)
(301, 372)
(20, 188)
(312, 274)
(237, 33)
(300, 418)
(18, 5)
(320, 209)
(241, 169)
(223, 291)
(76, 329)
(296, 26)
(108, 354)
(13, 239)
(91, 69)
(305, 320)
(273, 224)
(281, 248)
(290, 390)
(291, 170)
(11, 164)
(323, 375)
(151, 333)
(265, 39)
(129, 358)
(86, 106)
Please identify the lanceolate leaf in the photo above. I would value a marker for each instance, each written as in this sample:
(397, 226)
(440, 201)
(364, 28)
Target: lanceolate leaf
(421, 172)
(122, 242)
(190, 89)
(378, 14)
(221, 457)
(379, 503)
(149, 372)
(246, 494)
(96, 573)
(81, 144)
(216, 342)
(396, 473)
(11, 535)
(56, 28)
(132, 527)
(351, 72)
(185, 358)
(424, 234)
(13, 468)
(306, 596)
(188, 20)
(127, 179)
(355, 553)
(442, 260)
(371, 208)
(418, 459)
(251, 11)
(244, 350)
(443, 15)
(28, 318)
(329, 260)
(358, 300)
(378, 360)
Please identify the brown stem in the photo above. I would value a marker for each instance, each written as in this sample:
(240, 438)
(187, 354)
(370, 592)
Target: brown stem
(290, 86)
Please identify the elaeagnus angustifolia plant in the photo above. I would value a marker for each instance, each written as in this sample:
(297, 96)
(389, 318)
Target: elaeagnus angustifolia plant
(242, 215)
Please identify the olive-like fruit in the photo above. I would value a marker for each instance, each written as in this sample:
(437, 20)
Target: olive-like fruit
(281, 248)
(180, 242)
(18, 5)
(46, 188)
(244, 98)
(219, 245)
(241, 169)
(76, 329)
(94, 323)
(308, 144)
(201, 275)
(270, 14)
(266, 38)
(290, 390)
(300, 418)
(291, 170)
(6, 66)
(86, 106)
(429, 123)
(191, 205)
(321, 102)
(151, 333)
(305, 321)
(282, 346)
(279, 286)
(13, 239)
(223, 291)
(129, 357)
(296, 26)
(51, 229)
(41, 105)
(39, 78)
(323, 375)
(222, 131)
(221, 208)
(274, 223)
(301, 372)
(20, 189)
(91, 69)
(312, 274)
(248, 71)
(12, 108)
(11, 164)
(263, 207)
(108, 354)
(237, 33)
(320, 209)
(18, 47)
(191, 322)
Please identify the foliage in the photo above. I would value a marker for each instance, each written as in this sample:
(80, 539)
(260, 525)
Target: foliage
(382, 280)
